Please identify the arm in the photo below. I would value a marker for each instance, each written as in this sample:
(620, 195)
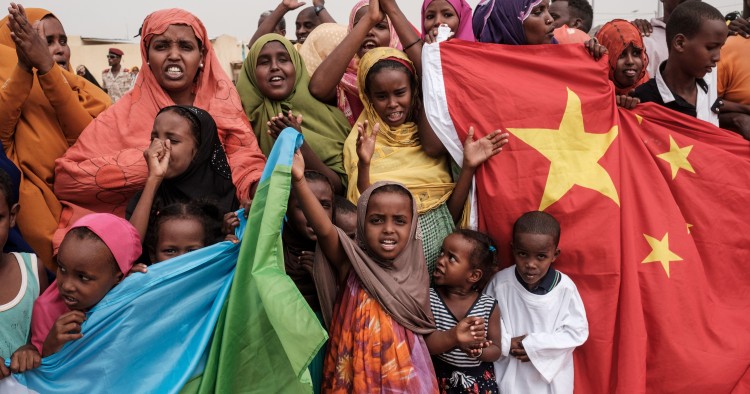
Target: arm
(323, 84)
(41, 272)
(328, 237)
(365, 150)
(468, 331)
(323, 16)
(25, 358)
(312, 161)
(157, 157)
(67, 328)
(737, 122)
(406, 33)
(12, 97)
(269, 24)
(431, 144)
(475, 153)
(492, 352)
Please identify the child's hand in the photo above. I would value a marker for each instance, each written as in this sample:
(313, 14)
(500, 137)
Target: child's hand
(374, 13)
(292, 4)
(278, 123)
(306, 261)
(517, 350)
(66, 328)
(479, 151)
(298, 167)
(627, 102)
(366, 141)
(157, 157)
(231, 221)
(595, 50)
(469, 331)
(140, 267)
(25, 358)
(4, 371)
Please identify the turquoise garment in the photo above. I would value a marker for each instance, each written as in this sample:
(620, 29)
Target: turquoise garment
(15, 316)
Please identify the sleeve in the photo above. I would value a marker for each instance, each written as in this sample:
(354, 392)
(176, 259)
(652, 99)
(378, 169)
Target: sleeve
(724, 74)
(68, 96)
(491, 290)
(548, 351)
(13, 95)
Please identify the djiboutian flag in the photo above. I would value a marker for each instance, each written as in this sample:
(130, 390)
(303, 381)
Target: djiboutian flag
(653, 206)
(221, 319)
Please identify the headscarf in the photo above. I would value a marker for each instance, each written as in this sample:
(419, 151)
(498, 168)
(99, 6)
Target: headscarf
(208, 174)
(401, 286)
(398, 152)
(48, 114)
(325, 128)
(617, 35)
(120, 237)
(463, 10)
(106, 168)
(348, 93)
(501, 21)
(320, 43)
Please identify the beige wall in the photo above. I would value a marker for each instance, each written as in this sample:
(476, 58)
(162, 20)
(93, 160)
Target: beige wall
(94, 55)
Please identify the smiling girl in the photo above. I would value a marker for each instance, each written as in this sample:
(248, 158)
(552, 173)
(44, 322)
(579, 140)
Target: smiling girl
(627, 55)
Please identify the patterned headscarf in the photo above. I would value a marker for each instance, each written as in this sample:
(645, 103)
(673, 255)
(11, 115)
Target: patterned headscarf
(463, 10)
(501, 21)
(617, 35)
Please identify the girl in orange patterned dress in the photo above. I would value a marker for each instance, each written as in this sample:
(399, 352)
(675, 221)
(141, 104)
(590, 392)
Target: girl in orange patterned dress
(383, 310)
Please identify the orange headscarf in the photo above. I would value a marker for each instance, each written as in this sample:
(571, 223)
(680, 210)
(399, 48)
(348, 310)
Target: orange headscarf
(616, 36)
(106, 167)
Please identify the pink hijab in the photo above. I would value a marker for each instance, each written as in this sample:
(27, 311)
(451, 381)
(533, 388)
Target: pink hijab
(122, 240)
(463, 10)
(347, 92)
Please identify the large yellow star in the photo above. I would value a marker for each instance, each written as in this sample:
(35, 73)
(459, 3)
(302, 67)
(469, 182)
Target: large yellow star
(677, 157)
(660, 252)
(574, 155)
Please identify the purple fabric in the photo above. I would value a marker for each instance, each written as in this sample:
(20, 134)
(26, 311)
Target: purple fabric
(501, 21)
(463, 10)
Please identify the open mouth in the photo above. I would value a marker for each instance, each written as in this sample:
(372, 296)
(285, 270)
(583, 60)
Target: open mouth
(276, 81)
(69, 300)
(395, 116)
(388, 244)
(174, 72)
(367, 45)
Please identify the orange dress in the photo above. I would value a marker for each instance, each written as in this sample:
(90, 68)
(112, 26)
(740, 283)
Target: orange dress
(369, 352)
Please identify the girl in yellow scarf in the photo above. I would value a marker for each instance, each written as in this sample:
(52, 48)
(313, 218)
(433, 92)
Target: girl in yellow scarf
(385, 145)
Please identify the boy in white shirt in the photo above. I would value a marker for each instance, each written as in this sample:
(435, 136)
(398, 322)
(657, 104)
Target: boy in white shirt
(542, 315)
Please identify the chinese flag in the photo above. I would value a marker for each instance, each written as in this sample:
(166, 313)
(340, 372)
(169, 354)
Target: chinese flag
(654, 208)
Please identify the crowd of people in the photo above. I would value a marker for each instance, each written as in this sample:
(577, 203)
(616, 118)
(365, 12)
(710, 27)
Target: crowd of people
(100, 182)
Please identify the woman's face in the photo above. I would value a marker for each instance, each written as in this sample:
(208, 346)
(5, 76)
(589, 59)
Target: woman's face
(57, 41)
(629, 67)
(275, 71)
(175, 57)
(440, 12)
(538, 27)
(378, 36)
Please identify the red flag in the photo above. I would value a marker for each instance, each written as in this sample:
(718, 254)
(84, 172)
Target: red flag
(653, 206)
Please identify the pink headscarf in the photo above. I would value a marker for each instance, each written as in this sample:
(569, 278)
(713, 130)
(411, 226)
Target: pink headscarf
(463, 10)
(122, 240)
(347, 92)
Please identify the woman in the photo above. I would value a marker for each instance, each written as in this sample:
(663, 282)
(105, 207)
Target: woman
(106, 167)
(627, 55)
(42, 113)
(324, 126)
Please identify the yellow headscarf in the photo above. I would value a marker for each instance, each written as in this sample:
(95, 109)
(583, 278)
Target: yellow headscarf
(398, 153)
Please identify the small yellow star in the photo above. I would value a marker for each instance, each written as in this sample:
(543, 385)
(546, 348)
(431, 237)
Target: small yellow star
(639, 118)
(573, 153)
(677, 157)
(660, 252)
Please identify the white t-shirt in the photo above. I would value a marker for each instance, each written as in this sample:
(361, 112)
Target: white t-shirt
(554, 325)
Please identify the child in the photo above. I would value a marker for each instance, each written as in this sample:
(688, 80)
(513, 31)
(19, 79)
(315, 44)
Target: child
(186, 162)
(627, 58)
(543, 319)
(576, 14)
(696, 31)
(383, 308)
(181, 228)
(274, 80)
(95, 255)
(387, 145)
(346, 215)
(466, 263)
(23, 278)
(454, 13)
(337, 83)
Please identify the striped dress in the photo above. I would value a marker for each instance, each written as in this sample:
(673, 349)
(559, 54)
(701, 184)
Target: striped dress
(456, 371)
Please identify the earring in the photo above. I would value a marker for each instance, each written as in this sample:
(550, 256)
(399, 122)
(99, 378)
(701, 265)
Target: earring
(201, 65)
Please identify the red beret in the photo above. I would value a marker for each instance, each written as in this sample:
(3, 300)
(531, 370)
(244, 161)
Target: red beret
(116, 51)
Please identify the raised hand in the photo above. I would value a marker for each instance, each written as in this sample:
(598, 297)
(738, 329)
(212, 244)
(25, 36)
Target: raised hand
(479, 151)
(366, 141)
(157, 157)
(31, 46)
(298, 167)
(374, 13)
(67, 328)
(292, 4)
(278, 123)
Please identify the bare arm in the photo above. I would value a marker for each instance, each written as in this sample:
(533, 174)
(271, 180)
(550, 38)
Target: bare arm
(323, 83)
(475, 153)
(431, 144)
(157, 157)
(323, 16)
(365, 150)
(328, 237)
(269, 24)
(468, 331)
(406, 33)
(493, 352)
